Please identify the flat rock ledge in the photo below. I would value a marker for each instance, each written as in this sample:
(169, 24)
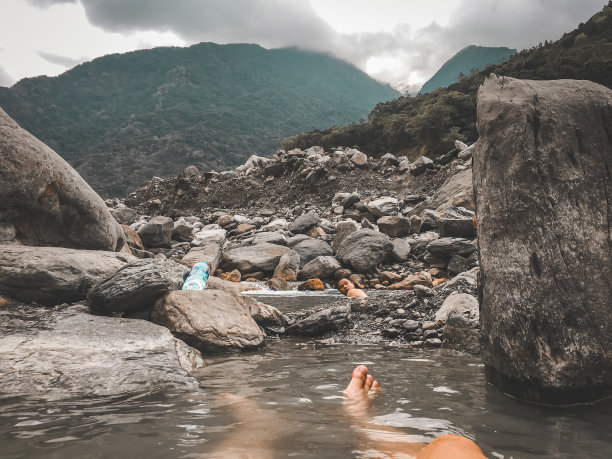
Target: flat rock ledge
(64, 352)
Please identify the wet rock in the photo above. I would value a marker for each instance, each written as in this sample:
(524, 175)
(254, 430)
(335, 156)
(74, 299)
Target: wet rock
(309, 249)
(136, 285)
(157, 232)
(445, 247)
(312, 284)
(394, 226)
(53, 275)
(322, 267)
(288, 266)
(304, 222)
(278, 284)
(364, 249)
(95, 355)
(209, 320)
(326, 320)
(210, 253)
(420, 278)
(260, 257)
(546, 322)
(50, 204)
(383, 206)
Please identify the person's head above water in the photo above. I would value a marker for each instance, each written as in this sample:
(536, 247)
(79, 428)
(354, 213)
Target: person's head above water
(344, 285)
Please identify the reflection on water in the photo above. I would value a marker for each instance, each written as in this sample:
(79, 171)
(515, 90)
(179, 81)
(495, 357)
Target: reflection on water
(426, 393)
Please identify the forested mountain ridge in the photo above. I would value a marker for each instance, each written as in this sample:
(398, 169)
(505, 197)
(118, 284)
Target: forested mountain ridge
(428, 124)
(470, 58)
(123, 118)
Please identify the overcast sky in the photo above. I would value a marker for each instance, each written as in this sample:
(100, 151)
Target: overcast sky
(397, 41)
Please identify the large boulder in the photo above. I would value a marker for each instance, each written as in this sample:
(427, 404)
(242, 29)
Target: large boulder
(322, 267)
(544, 188)
(288, 266)
(46, 200)
(310, 248)
(156, 232)
(209, 320)
(67, 353)
(210, 253)
(304, 222)
(137, 285)
(459, 303)
(343, 229)
(52, 275)
(253, 258)
(364, 249)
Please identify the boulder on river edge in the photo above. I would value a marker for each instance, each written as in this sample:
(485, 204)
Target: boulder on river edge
(45, 201)
(543, 200)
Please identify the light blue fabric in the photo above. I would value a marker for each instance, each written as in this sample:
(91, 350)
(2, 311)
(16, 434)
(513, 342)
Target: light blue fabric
(196, 280)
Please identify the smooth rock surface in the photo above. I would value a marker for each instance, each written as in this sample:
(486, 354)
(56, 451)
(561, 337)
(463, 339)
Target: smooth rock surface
(46, 199)
(210, 253)
(252, 258)
(52, 275)
(288, 266)
(322, 267)
(66, 352)
(364, 249)
(321, 322)
(310, 248)
(209, 320)
(137, 285)
(544, 201)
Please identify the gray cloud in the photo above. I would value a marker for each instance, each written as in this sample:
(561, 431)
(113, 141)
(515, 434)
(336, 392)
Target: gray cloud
(5, 79)
(64, 61)
(278, 23)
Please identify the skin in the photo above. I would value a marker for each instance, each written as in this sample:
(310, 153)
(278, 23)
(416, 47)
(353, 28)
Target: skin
(345, 285)
(260, 428)
(394, 442)
(356, 293)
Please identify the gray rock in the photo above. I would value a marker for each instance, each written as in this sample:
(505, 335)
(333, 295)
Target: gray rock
(50, 204)
(467, 153)
(209, 320)
(274, 169)
(304, 222)
(270, 237)
(430, 220)
(7, 232)
(326, 320)
(411, 325)
(416, 223)
(156, 232)
(383, 206)
(462, 334)
(124, 215)
(294, 240)
(390, 159)
(343, 229)
(394, 226)
(400, 250)
(460, 303)
(316, 175)
(456, 191)
(66, 353)
(420, 165)
(53, 275)
(190, 173)
(457, 222)
(541, 168)
(457, 264)
(210, 253)
(405, 165)
(309, 249)
(364, 249)
(253, 258)
(288, 266)
(460, 146)
(358, 158)
(322, 267)
(350, 200)
(209, 236)
(182, 230)
(137, 285)
(445, 247)
(278, 284)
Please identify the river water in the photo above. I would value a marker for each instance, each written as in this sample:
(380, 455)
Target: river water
(294, 408)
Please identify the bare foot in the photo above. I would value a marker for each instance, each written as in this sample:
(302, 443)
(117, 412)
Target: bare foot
(358, 393)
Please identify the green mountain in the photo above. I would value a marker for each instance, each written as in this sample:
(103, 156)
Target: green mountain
(468, 60)
(428, 124)
(123, 118)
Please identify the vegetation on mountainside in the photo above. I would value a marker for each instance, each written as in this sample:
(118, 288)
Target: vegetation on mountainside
(429, 123)
(124, 118)
(469, 59)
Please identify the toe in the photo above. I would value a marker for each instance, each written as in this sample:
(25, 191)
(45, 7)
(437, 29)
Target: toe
(358, 380)
(368, 382)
